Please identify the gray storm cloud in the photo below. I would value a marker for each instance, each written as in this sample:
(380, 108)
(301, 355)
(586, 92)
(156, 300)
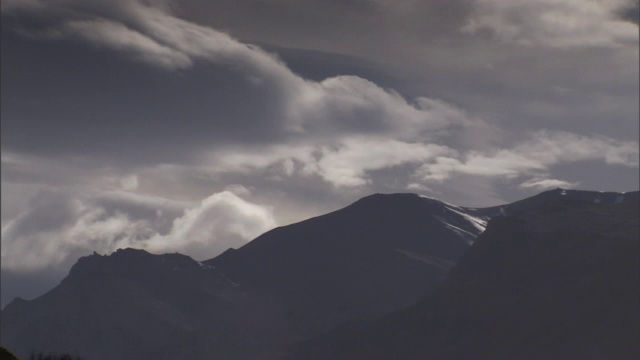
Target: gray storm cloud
(297, 107)
(341, 116)
(338, 129)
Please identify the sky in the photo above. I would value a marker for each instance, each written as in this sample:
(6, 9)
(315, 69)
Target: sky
(193, 126)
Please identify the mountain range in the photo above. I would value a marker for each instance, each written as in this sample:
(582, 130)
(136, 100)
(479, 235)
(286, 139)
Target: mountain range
(374, 280)
(558, 282)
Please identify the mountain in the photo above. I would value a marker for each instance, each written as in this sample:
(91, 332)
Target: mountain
(560, 281)
(135, 305)
(378, 255)
(335, 268)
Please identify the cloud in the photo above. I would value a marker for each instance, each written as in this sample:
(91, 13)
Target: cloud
(342, 162)
(501, 163)
(284, 106)
(550, 147)
(122, 38)
(543, 150)
(348, 164)
(149, 32)
(546, 184)
(555, 23)
(343, 127)
(129, 183)
(17, 5)
(350, 104)
(221, 221)
(72, 228)
(330, 117)
(349, 161)
(59, 227)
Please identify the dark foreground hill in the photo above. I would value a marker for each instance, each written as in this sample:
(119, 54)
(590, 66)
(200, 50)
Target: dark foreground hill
(290, 284)
(560, 282)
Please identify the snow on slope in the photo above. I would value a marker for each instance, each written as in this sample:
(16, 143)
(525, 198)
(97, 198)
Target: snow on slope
(460, 221)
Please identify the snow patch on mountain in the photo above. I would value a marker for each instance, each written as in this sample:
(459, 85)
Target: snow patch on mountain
(479, 223)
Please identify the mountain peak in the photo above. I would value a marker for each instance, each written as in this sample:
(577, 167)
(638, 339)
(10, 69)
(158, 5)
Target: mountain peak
(390, 201)
(388, 197)
(129, 260)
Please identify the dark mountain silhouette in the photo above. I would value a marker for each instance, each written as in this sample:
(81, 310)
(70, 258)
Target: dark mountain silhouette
(135, 305)
(559, 282)
(365, 261)
(5, 354)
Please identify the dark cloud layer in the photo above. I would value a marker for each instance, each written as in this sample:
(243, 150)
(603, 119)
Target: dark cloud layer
(94, 101)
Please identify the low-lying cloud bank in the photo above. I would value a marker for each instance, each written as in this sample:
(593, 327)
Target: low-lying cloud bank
(58, 227)
(349, 163)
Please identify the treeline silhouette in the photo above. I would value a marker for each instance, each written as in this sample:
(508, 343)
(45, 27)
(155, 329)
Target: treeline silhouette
(54, 357)
(5, 354)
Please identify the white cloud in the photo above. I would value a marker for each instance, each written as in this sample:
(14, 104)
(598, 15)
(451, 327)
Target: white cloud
(348, 164)
(543, 150)
(129, 183)
(421, 188)
(342, 162)
(546, 184)
(352, 104)
(238, 189)
(59, 227)
(555, 23)
(499, 163)
(550, 147)
(221, 221)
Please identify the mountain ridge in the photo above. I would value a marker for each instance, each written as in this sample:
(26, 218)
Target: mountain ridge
(295, 282)
(557, 282)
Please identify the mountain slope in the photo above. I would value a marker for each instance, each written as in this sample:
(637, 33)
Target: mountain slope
(335, 268)
(557, 282)
(135, 305)
(376, 256)
(379, 254)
